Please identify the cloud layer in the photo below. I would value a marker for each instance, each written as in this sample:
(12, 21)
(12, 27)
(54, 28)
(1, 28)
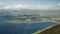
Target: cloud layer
(23, 6)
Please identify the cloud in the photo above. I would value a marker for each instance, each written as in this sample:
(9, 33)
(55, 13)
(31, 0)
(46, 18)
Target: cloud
(1, 3)
(32, 7)
(23, 6)
(59, 4)
(8, 7)
(20, 6)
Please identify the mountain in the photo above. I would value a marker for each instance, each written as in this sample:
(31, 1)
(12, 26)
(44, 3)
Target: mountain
(27, 11)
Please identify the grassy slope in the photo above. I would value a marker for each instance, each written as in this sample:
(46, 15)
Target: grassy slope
(53, 30)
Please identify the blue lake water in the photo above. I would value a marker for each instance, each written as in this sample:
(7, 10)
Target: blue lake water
(23, 28)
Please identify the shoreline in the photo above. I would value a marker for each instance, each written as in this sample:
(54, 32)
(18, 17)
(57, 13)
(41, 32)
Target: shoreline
(39, 31)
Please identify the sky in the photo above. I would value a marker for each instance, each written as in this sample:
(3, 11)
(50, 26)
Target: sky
(30, 4)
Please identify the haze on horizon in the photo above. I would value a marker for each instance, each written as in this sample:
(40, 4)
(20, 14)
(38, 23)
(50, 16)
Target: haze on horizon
(32, 6)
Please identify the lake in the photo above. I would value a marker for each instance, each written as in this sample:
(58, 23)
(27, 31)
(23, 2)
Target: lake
(23, 28)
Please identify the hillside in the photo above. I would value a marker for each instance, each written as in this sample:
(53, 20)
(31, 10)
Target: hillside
(53, 30)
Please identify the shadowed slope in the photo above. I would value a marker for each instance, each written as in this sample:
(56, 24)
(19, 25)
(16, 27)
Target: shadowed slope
(53, 30)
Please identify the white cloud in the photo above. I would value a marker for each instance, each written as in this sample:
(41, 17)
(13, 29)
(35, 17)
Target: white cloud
(20, 6)
(1, 3)
(39, 7)
(59, 4)
(8, 7)
(23, 6)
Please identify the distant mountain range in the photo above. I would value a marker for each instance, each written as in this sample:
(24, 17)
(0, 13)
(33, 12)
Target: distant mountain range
(28, 12)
